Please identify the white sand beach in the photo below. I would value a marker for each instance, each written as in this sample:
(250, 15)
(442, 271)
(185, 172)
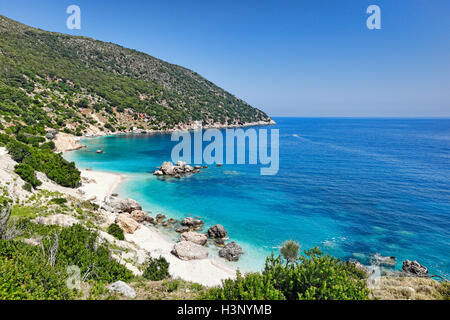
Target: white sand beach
(98, 185)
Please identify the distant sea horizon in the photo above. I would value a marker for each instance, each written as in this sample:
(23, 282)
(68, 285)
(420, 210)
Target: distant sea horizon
(355, 187)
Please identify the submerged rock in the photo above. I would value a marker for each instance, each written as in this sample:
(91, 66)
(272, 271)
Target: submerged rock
(194, 237)
(187, 250)
(231, 251)
(217, 231)
(122, 288)
(414, 268)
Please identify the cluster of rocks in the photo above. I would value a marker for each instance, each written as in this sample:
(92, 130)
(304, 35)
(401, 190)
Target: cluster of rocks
(178, 170)
(191, 245)
(409, 268)
(130, 214)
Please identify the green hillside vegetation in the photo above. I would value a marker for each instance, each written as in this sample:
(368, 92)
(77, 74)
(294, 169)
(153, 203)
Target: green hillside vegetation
(70, 83)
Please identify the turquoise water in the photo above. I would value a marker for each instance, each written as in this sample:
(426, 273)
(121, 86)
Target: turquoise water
(353, 187)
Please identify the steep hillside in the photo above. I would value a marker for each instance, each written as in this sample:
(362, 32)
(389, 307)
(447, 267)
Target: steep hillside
(83, 86)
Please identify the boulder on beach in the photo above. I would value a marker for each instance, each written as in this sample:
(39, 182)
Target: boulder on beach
(192, 222)
(414, 268)
(138, 215)
(194, 237)
(128, 224)
(187, 250)
(231, 251)
(217, 231)
(126, 205)
(122, 288)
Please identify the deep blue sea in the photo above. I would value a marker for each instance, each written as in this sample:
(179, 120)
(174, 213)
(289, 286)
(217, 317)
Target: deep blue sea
(353, 187)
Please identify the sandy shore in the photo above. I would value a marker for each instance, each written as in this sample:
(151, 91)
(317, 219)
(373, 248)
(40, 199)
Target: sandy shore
(209, 272)
(97, 185)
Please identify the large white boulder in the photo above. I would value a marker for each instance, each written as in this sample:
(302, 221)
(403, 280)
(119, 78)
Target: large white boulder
(194, 237)
(187, 250)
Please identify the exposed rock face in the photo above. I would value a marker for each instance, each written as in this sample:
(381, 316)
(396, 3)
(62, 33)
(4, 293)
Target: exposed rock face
(62, 220)
(192, 223)
(187, 250)
(194, 237)
(126, 205)
(414, 268)
(127, 223)
(217, 231)
(158, 173)
(138, 216)
(123, 288)
(231, 252)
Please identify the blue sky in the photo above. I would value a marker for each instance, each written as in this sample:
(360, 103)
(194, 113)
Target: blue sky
(288, 58)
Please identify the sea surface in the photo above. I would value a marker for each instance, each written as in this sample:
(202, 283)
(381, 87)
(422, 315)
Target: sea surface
(353, 187)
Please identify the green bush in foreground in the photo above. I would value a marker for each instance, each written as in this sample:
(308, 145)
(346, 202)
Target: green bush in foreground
(27, 174)
(79, 246)
(157, 269)
(25, 274)
(116, 231)
(314, 276)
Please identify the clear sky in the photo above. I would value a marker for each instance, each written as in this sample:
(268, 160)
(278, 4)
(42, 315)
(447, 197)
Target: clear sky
(288, 58)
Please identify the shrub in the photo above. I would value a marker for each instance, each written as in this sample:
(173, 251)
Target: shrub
(252, 286)
(59, 201)
(314, 276)
(27, 174)
(44, 160)
(79, 246)
(25, 274)
(116, 231)
(290, 250)
(157, 269)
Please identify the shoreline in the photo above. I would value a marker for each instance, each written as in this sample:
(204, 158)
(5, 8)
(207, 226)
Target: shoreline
(99, 185)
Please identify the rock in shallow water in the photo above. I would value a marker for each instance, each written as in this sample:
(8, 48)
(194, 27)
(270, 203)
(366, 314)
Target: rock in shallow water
(231, 251)
(123, 288)
(191, 222)
(187, 250)
(217, 231)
